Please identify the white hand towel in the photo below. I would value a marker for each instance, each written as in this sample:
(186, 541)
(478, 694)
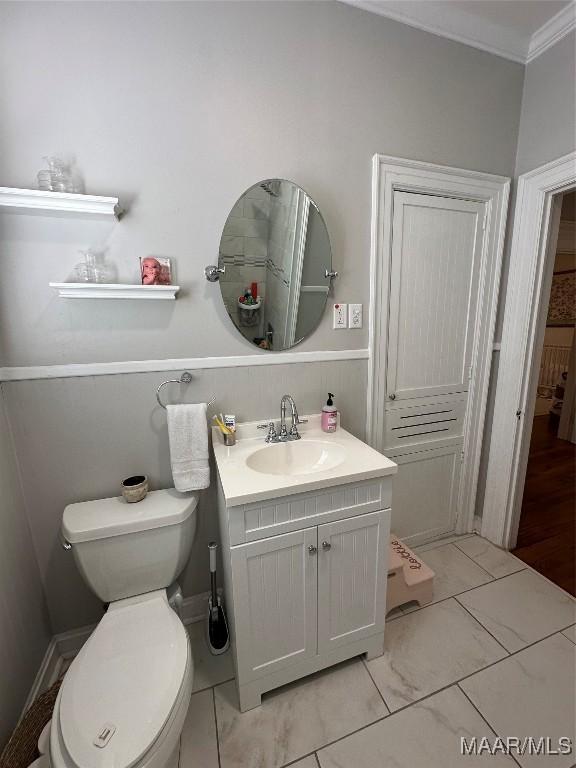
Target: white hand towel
(188, 438)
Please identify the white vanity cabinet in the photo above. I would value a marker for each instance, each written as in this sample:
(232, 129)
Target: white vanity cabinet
(275, 583)
(352, 571)
(305, 581)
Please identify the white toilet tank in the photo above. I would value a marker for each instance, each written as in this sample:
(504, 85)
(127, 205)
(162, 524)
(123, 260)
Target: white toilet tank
(124, 550)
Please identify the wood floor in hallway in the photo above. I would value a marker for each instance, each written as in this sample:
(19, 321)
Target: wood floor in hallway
(547, 533)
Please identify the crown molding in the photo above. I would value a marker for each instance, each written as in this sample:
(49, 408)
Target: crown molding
(457, 25)
(552, 32)
(463, 27)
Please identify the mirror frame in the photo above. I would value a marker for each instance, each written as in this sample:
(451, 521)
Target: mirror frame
(214, 273)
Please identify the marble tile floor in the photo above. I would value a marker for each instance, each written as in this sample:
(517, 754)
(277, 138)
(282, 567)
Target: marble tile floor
(497, 635)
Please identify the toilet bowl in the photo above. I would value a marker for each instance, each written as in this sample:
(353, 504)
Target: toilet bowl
(124, 698)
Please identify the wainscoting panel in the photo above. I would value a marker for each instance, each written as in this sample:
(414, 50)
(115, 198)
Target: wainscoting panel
(77, 438)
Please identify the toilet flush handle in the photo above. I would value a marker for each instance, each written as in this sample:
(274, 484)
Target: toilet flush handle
(66, 545)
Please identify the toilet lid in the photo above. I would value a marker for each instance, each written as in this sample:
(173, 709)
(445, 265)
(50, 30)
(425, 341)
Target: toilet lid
(122, 687)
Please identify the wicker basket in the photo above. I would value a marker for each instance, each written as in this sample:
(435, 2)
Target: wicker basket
(22, 749)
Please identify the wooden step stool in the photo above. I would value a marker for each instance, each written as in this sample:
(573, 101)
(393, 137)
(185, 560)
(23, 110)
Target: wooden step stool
(409, 579)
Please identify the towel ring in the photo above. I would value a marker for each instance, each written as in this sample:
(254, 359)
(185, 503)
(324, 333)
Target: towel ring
(186, 378)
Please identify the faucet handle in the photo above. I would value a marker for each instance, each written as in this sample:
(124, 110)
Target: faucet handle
(272, 434)
(294, 432)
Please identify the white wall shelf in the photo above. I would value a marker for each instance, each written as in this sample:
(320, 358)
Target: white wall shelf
(58, 203)
(115, 291)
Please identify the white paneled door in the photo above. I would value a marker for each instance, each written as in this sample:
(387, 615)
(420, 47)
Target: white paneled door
(426, 490)
(436, 254)
(275, 601)
(352, 572)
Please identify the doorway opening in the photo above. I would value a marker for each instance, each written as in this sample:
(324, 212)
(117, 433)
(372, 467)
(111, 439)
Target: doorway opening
(547, 527)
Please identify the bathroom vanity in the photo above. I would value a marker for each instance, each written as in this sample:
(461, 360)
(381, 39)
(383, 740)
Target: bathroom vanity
(304, 527)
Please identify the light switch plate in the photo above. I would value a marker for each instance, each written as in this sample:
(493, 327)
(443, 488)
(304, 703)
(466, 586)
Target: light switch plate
(340, 316)
(355, 315)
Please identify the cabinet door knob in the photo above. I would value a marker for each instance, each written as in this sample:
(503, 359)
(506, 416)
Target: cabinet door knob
(392, 396)
(312, 549)
(326, 545)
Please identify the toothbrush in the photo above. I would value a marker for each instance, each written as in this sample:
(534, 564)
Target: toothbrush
(223, 428)
(220, 423)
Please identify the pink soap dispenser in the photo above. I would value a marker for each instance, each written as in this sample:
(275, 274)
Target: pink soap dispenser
(329, 420)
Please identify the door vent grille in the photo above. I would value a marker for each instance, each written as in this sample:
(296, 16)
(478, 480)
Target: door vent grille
(410, 422)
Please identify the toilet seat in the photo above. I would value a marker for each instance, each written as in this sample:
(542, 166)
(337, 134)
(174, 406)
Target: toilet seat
(127, 690)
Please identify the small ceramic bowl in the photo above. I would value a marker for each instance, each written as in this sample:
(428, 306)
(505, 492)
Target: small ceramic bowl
(135, 488)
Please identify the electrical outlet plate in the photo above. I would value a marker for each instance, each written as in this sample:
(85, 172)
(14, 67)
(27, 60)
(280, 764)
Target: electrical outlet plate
(340, 316)
(355, 315)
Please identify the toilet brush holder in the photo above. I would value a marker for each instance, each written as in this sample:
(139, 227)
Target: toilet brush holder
(135, 488)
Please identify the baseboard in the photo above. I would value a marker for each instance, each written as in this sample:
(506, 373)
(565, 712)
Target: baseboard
(47, 672)
(420, 539)
(67, 644)
(195, 608)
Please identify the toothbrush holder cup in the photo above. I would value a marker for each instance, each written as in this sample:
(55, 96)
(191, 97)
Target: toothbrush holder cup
(229, 438)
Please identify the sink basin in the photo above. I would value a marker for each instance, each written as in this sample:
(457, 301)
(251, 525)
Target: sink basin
(299, 457)
(254, 471)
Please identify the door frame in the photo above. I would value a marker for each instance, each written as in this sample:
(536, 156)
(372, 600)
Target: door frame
(391, 174)
(528, 287)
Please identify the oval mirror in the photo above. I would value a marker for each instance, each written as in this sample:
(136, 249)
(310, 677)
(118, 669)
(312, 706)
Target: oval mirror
(276, 253)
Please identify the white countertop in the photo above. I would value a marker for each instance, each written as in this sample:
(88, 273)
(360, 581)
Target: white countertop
(243, 485)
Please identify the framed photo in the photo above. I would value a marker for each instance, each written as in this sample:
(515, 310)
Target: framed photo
(155, 270)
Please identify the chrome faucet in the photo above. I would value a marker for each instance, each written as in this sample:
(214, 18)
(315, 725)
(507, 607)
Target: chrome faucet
(285, 435)
(293, 434)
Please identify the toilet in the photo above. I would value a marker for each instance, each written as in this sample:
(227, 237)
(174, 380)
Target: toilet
(124, 698)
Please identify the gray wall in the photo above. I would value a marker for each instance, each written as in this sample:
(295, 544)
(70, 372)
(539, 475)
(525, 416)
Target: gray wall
(24, 626)
(548, 117)
(547, 131)
(547, 125)
(178, 108)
